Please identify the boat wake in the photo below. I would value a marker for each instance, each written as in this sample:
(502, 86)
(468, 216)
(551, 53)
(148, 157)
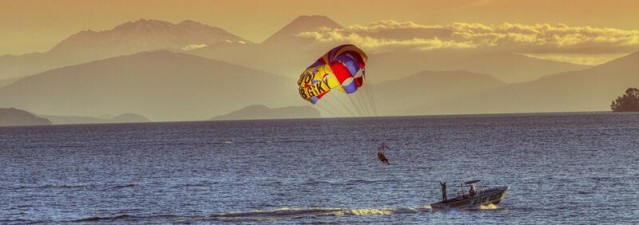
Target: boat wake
(294, 213)
(489, 206)
(271, 215)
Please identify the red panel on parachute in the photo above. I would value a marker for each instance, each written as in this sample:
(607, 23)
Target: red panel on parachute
(359, 81)
(341, 72)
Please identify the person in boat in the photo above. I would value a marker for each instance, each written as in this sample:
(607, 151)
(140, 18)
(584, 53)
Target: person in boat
(472, 190)
(444, 196)
(380, 154)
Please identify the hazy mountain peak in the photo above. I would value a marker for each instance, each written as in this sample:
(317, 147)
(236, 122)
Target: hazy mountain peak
(191, 23)
(83, 34)
(141, 23)
(88, 32)
(159, 24)
(313, 21)
(302, 24)
(140, 35)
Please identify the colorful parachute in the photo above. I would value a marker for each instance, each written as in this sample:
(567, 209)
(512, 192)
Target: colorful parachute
(337, 69)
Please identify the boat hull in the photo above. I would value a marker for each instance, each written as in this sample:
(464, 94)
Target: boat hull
(483, 197)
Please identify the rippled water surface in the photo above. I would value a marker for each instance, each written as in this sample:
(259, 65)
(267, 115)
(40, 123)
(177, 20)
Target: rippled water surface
(561, 168)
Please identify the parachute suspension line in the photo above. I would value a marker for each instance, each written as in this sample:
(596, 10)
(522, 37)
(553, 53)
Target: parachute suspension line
(357, 98)
(365, 102)
(371, 100)
(329, 107)
(324, 109)
(361, 104)
(355, 106)
(377, 132)
(351, 98)
(363, 99)
(368, 100)
(341, 103)
(337, 102)
(357, 101)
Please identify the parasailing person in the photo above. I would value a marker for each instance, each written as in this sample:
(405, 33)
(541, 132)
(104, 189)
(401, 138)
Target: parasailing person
(380, 153)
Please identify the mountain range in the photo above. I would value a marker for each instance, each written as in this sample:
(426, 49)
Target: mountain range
(429, 88)
(192, 71)
(287, 53)
(591, 89)
(128, 38)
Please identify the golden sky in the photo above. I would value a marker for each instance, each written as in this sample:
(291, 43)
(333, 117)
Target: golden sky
(37, 25)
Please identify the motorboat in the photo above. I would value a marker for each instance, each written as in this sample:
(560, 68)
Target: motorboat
(475, 197)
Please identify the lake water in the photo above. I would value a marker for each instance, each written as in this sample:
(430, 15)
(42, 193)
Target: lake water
(573, 168)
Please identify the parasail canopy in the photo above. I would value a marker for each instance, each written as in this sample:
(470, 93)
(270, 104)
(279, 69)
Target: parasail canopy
(336, 70)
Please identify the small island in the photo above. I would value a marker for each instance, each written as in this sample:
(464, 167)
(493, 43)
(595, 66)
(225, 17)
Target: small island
(629, 102)
(17, 117)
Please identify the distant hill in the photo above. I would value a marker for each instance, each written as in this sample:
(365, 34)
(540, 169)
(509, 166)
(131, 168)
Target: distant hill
(429, 87)
(124, 118)
(6, 82)
(17, 117)
(586, 90)
(124, 39)
(161, 85)
(129, 118)
(260, 112)
(505, 66)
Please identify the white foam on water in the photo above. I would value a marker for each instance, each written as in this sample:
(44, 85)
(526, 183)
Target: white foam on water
(292, 213)
(489, 206)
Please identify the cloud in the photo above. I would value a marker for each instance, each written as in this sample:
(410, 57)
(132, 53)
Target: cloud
(583, 59)
(536, 38)
(370, 42)
(193, 46)
(198, 46)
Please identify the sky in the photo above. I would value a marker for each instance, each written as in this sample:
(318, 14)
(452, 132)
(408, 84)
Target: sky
(37, 25)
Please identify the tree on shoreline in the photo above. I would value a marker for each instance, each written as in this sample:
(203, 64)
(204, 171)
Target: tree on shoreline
(629, 102)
